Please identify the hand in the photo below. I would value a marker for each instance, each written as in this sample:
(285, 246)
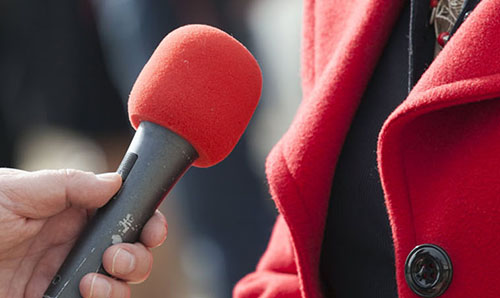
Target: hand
(41, 215)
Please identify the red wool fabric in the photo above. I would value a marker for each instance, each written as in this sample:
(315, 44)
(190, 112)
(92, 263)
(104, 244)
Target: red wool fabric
(438, 152)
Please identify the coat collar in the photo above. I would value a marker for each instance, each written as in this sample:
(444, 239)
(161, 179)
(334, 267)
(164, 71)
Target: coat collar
(466, 71)
(342, 42)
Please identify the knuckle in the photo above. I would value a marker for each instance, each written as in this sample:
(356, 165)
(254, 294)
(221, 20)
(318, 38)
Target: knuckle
(68, 174)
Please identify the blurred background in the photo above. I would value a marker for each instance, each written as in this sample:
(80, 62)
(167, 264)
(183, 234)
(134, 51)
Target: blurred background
(66, 69)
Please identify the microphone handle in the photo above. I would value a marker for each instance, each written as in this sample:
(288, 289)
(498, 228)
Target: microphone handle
(155, 160)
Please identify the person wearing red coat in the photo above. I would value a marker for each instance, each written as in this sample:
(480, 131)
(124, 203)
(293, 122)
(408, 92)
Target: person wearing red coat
(437, 156)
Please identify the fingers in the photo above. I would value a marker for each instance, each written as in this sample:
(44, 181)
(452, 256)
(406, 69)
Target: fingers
(95, 285)
(154, 232)
(129, 262)
(45, 193)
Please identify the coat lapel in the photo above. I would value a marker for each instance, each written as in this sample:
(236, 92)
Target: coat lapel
(466, 71)
(342, 43)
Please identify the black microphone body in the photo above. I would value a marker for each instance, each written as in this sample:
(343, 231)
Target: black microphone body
(154, 162)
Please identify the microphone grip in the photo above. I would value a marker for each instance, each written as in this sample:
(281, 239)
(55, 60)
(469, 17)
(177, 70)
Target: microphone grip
(155, 160)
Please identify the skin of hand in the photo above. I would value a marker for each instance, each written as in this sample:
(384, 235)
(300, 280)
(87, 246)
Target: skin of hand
(41, 215)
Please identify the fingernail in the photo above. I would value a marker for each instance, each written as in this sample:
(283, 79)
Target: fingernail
(100, 287)
(107, 176)
(123, 262)
(165, 233)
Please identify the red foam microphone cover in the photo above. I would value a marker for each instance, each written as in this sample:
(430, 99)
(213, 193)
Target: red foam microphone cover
(202, 84)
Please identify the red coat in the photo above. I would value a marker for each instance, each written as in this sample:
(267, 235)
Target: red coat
(438, 152)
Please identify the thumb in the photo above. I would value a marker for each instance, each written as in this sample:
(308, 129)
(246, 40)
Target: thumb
(45, 193)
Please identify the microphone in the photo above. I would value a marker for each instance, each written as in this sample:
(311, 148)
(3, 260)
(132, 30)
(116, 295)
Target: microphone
(190, 105)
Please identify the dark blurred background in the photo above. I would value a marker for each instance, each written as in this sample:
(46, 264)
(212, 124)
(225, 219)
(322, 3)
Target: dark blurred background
(66, 69)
